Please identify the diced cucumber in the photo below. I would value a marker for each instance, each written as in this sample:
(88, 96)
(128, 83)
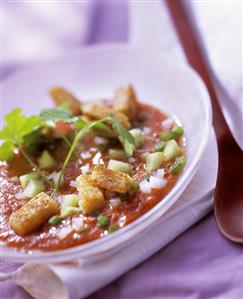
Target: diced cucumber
(175, 133)
(159, 147)
(70, 200)
(178, 165)
(120, 166)
(166, 136)
(46, 160)
(69, 211)
(24, 179)
(171, 150)
(154, 161)
(178, 131)
(116, 154)
(69, 205)
(138, 137)
(33, 188)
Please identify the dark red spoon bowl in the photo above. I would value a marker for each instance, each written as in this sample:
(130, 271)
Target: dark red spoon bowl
(228, 203)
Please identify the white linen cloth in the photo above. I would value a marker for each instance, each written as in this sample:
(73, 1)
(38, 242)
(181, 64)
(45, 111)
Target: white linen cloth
(158, 32)
(219, 25)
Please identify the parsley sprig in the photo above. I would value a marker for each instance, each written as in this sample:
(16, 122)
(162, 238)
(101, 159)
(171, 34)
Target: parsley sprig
(20, 129)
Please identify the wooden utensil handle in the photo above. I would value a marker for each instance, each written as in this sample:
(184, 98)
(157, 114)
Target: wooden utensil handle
(186, 32)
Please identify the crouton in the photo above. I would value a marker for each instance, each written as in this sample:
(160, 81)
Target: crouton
(91, 196)
(125, 101)
(33, 214)
(99, 111)
(61, 96)
(112, 180)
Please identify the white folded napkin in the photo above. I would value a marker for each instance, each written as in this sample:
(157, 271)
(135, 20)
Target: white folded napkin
(78, 279)
(219, 27)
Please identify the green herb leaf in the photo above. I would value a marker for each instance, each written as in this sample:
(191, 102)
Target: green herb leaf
(17, 127)
(80, 123)
(103, 221)
(126, 139)
(6, 151)
(56, 114)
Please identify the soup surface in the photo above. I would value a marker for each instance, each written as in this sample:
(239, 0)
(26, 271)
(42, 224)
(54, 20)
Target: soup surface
(151, 168)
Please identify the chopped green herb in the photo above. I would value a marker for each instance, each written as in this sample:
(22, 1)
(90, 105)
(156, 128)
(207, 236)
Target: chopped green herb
(178, 165)
(111, 229)
(103, 221)
(54, 220)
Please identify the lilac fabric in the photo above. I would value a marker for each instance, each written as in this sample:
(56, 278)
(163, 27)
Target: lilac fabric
(199, 264)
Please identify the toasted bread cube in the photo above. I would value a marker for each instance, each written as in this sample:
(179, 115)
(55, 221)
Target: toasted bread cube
(112, 180)
(125, 101)
(33, 214)
(99, 111)
(61, 96)
(91, 196)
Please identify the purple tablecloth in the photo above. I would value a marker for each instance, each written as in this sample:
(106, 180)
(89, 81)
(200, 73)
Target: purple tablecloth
(199, 264)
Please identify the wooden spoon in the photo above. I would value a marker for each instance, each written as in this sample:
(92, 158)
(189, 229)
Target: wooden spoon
(228, 204)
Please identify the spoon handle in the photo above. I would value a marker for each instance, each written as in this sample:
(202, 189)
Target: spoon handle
(193, 50)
